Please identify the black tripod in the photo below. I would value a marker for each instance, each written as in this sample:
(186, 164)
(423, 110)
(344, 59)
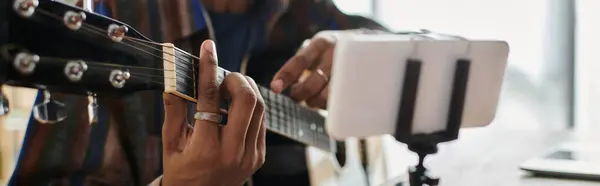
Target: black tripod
(425, 144)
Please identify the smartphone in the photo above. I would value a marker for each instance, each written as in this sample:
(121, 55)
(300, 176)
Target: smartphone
(368, 73)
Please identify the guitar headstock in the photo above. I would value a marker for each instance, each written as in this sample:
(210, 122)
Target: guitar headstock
(58, 47)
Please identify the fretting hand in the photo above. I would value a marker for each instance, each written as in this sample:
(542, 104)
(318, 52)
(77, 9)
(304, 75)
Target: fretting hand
(210, 154)
(316, 57)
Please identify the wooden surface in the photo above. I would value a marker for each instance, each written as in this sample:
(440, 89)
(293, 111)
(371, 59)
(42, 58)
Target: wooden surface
(491, 157)
(12, 128)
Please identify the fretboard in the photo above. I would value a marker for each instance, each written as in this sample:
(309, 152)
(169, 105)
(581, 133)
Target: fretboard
(284, 116)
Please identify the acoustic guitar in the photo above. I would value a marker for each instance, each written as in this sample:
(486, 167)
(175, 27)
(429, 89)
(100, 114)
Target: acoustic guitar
(56, 47)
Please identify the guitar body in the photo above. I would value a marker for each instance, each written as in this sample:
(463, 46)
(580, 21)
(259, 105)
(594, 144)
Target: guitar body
(325, 169)
(339, 164)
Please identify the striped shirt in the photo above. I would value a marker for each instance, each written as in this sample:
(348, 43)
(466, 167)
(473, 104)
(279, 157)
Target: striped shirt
(123, 144)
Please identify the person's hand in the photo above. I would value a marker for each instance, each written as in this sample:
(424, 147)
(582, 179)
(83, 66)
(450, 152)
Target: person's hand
(316, 57)
(210, 154)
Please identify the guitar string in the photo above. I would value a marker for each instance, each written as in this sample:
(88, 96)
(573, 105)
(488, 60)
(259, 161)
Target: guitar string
(179, 73)
(137, 41)
(93, 30)
(142, 42)
(107, 68)
(85, 25)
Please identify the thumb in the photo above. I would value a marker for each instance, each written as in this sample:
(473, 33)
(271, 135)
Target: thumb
(174, 122)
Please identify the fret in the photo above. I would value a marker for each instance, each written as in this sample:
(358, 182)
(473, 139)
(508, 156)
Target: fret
(298, 133)
(277, 112)
(268, 107)
(283, 115)
(288, 115)
(184, 69)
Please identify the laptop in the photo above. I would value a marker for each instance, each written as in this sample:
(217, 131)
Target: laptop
(572, 160)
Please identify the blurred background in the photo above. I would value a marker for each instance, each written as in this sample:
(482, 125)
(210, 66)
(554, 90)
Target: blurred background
(538, 86)
(550, 82)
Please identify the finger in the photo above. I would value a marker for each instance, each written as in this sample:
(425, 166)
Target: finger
(208, 94)
(255, 124)
(175, 125)
(316, 81)
(221, 5)
(319, 101)
(243, 102)
(293, 68)
(261, 141)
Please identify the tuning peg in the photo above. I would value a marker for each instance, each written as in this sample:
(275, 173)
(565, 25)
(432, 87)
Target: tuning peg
(118, 78)
(25, 8)
(25, 63)
(4, 106)
(74, 20)
(49, 111)
(74, 70)
(116, 32)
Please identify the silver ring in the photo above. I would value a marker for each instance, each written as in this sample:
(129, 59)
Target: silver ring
(322, 74)
(207, 116)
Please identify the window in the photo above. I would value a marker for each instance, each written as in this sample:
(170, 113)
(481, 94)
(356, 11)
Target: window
(537, 85)
(587, 83)
(528, 90)
(533, 96)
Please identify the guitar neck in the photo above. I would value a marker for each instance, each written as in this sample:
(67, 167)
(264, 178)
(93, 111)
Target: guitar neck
(284, 116)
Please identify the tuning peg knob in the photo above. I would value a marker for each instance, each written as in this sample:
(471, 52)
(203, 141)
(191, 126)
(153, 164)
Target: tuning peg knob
(25, 63)
(25, 8)
(74, 20)
(4, 106)
(118, 78)
(49, 111)
(116, 32)
(74, 70)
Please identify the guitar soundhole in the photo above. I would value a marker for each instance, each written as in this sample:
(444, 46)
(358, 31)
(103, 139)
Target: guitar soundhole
(341, 153)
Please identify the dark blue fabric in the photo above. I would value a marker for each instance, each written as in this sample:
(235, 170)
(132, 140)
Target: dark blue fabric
(153, 15)
(237, 35)
(100, 9)
(197, 8)
(232, 34)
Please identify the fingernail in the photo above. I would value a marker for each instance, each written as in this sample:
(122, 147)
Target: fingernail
(209, 46)
(277, 85)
